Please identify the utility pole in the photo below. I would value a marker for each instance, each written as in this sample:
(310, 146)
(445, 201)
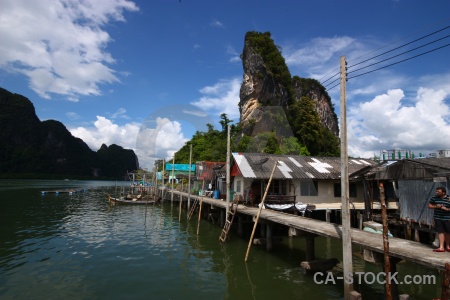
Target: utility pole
(346, 233)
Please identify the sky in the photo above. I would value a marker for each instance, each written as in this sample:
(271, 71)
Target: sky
(146, 75)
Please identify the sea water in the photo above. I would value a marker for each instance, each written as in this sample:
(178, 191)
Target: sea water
(61, 246)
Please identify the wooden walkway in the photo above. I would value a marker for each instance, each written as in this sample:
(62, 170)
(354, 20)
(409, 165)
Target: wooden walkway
(400, 248)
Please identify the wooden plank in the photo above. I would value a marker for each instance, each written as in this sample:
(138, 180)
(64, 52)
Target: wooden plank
(404, 249)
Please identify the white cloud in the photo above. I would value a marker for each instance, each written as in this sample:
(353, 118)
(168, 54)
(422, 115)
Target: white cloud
(384, 123)
(120, 113)
(106, 132)
(73, 115)
(235, 57)
(216, 23)
(318, 50)
(161, 141)
(222, 97)
(60, 45)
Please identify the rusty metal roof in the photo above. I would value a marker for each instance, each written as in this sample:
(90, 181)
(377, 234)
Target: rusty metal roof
(260, 165)
(419, 168)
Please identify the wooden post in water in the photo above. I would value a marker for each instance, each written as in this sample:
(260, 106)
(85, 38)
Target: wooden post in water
(189, 180)
(200, 208)
(173, 171)
(259, 211)
(387, 261)
(181, 201)
(163, 192)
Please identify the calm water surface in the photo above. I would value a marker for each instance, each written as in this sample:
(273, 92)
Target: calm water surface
(78, 247)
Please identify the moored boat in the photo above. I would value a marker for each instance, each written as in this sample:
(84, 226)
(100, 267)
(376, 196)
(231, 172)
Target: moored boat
(146, 200)
(141, 192)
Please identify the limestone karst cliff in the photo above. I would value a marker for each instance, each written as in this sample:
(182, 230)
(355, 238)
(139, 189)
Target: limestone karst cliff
(35, 149)
(268, 91)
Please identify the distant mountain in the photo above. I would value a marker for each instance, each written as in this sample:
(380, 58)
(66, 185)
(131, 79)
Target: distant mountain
(31, 148)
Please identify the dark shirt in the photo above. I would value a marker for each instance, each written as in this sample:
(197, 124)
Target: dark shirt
(439, 213)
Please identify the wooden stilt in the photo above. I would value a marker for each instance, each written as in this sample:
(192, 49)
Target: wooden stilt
(259, 211)
(240, 226)
(269, 234)
(181, 201)
(200, 209)
(387, 261)
(310, 247)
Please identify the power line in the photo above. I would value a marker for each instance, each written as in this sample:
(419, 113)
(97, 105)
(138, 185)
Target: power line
(399, 61)
(328, 74)
(333, 86)
(330, 78)
(397, 55)
(332, 82)
(401, 39)
(400, 46)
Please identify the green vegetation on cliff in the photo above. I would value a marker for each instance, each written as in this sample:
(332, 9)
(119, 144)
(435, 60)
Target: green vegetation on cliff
(34, 149)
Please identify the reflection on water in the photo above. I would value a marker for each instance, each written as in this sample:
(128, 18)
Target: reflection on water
(77, 246)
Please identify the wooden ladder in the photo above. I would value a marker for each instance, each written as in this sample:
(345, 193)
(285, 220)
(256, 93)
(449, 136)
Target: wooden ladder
(229, 220)
(191, 212)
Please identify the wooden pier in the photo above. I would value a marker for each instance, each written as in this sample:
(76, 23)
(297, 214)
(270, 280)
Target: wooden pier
(399, 249)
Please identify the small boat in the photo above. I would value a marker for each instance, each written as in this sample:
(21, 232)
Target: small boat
(146, 200)
(140, 191)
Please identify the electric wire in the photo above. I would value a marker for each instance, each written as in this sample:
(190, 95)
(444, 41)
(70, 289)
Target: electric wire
(348, 78)
(397, 55)
(328, 74)
(399, 62)
(401, 39)
(400, 46)
(332, 82)
(331, 77)
(371, 71)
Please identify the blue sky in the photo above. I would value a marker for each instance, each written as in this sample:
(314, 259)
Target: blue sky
(147, 74)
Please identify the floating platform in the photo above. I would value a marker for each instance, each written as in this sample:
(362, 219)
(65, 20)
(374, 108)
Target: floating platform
(64, 191)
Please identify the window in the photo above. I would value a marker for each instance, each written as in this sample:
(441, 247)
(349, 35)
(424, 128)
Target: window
(278, 187)
(308, 188)
(238, 186)
(351, 190)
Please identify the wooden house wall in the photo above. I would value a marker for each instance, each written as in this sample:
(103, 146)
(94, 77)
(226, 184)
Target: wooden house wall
(325, 193)
(325, 190)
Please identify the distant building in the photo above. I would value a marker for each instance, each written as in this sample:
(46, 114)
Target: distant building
(442, 153)
(395, 154)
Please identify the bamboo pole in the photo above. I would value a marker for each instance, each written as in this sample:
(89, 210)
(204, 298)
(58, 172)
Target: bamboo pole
(189, 180)
(259, 211)
(200, 209)
(181, 200)
(173, 179)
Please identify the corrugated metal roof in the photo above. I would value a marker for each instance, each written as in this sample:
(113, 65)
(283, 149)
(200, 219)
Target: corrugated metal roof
(260, 165)
(413, 169)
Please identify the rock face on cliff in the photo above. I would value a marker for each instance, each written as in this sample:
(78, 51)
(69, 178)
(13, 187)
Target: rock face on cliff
(267, 83)
(29, 146)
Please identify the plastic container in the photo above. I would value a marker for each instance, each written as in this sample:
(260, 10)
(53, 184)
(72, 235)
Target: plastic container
(216, 194)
